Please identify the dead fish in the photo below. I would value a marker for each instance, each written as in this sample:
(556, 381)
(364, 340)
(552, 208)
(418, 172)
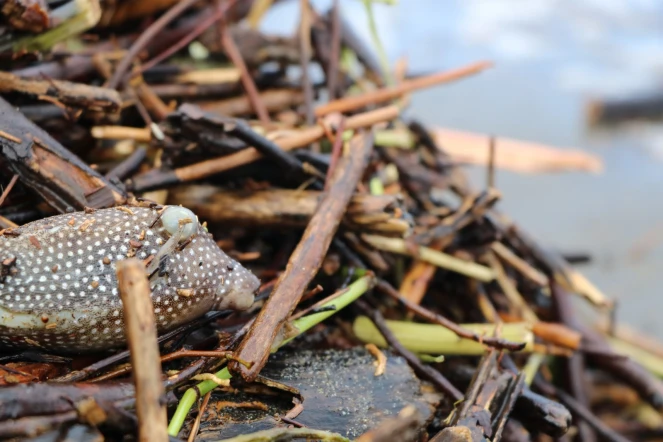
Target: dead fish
(58, 287)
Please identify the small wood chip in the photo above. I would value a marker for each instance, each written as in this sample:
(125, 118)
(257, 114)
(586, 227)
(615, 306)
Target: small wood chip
(51, 326)
(87, 223)
(89, 210)
(135, 244)
(71, 222)
(8, 262)
(381, 362)
(35, 242)
(185, 292)
(32, 342)
(184, 221)
(141, 237)
(10, 137)
(125, 210)
(210, 377)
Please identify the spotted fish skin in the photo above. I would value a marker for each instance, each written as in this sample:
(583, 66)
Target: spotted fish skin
(58, 286)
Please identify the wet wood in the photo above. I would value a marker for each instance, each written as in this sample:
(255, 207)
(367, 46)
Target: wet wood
(61, 178)
(291, 208)
(75, 95)
(304, 261)
(296, 140)
(322, 378)
(515, 155)
(380, 96)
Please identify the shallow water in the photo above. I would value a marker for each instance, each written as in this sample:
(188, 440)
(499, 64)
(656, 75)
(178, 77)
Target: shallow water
(550, 56)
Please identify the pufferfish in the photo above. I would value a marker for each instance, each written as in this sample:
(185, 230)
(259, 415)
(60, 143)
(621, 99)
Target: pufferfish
(58, 284)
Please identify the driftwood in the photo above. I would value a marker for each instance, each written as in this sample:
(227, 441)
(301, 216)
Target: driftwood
(60, 177)
(69, 94)
(291, 208)
(304, 262)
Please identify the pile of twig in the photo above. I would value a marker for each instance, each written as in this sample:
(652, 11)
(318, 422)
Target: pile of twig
(328, 195)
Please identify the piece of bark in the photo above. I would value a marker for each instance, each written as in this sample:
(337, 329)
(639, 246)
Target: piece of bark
(69, 94)
(536, 412)
(37, 399)
(62, 179)
(290, 208)
(304, 261)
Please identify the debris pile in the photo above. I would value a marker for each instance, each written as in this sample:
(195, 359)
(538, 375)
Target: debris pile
(397, 302)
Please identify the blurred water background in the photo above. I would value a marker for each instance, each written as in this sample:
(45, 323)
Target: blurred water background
(551, 56)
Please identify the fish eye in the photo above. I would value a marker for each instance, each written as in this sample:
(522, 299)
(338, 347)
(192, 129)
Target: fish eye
(175, 216)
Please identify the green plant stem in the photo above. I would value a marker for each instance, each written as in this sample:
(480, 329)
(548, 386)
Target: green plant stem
(351, 294)
(435, 339)
(384, 61)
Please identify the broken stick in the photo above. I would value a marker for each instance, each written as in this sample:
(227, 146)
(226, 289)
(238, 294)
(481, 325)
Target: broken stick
(69, 94)
(141, 331)
(43, 164)
(304, 261)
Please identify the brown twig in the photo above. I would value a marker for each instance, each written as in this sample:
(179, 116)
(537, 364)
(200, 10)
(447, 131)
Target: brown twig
(249, 86)
(142, 41)
(273, 99)
(304, 261)
(498, 343)
(196, 423)
(281, 208)
(249, 155)
(381, 95)
(337, 148)
(422, 370)
(580, 410)
(332, 71)
(627, 370)
(527, 270)
(199, 28)
(141, 334)
(43, 164)
(491, 164)
(8, 189)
